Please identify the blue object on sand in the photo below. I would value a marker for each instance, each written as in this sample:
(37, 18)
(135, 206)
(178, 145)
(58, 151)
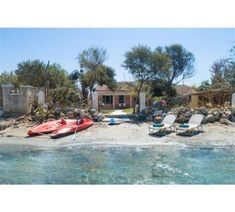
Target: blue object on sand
(112, 121)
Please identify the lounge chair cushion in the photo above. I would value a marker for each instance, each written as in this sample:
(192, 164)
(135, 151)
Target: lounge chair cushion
(158, 125)
(184, 125)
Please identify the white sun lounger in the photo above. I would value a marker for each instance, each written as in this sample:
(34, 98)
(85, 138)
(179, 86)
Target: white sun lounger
(193, 124)
(167, 123)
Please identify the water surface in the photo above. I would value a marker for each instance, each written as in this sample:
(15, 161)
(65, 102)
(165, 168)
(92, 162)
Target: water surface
(117, 165)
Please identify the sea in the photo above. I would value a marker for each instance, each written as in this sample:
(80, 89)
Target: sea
(107, 164)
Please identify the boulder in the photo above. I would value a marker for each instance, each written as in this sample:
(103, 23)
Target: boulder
(203, 111)
(228, 113)
(225, 121)
(232, 119)
(216, 116)
(188, 114)
(213, 110)
(182, 119)
(210, 118)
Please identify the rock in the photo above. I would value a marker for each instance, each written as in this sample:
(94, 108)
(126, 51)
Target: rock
(216, 116)
(204, 121)
(226, 104)
(182, 119)
(232, 109)
(225, 121)
(228, 113)
(188, 114)
(232, 119)
(213, 110)
(210, 118)
(176, 111)
(223, 116)
(203, 111)
(209, 105)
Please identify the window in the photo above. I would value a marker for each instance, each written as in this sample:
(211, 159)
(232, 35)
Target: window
(121, 99)
(108, 99)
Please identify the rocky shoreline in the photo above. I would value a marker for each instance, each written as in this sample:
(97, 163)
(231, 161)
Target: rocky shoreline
(224, 115)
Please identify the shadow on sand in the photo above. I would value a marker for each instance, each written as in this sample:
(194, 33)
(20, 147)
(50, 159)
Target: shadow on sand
(160, 134)
(189, 134)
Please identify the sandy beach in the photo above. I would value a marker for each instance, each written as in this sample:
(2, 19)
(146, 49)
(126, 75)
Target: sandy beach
(101, 133)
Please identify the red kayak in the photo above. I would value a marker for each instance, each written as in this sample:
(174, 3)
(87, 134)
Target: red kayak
(62, 126)
(72, 128)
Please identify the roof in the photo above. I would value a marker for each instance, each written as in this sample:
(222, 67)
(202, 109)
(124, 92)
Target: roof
(217, 90)
(183, 89)
(102, 88)
(121, 86)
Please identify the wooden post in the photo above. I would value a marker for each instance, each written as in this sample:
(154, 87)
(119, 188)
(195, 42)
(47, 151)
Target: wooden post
(46, 82)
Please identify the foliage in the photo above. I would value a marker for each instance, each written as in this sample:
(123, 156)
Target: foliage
(161, 64)
(64, 96)
(232, 50)
(221, 73)
(36, 73)
(139, 63)
(57, 77)
(105, 75)
(205, 85)
(159, 87)
(170, 64)
(8, 78)
(31, 73)
(107, 111)
(182, 63)
(128, 110)
(90, 59)
(94, 71)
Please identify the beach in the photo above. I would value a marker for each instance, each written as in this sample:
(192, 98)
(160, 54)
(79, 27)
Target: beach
(101, 133)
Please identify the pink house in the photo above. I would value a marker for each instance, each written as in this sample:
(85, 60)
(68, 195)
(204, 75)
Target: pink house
(118, 99)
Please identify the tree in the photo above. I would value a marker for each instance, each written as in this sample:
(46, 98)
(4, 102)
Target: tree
(105, 75)
(58, 77)
(220, 73)
(94, 71)
(161, 64)
(64, 96)
(139, 63)
(182, 64)
(90, 60)
(8, 78)
(33, 73)
(205, 85)
(159, 86)
(232, 50)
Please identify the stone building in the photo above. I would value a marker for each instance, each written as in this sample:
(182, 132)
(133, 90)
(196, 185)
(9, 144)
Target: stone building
(18, 101)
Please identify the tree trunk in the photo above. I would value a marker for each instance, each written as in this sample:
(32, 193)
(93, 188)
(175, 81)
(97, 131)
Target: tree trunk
(138, 96)
(84, 94)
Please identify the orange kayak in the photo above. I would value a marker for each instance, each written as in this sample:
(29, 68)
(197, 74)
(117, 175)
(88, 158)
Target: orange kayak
(62, 126)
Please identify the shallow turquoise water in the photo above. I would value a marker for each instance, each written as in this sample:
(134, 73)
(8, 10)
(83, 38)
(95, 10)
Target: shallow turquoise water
(117, 165)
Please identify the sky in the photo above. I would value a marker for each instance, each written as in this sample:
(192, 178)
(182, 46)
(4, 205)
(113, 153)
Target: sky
(62, 46)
